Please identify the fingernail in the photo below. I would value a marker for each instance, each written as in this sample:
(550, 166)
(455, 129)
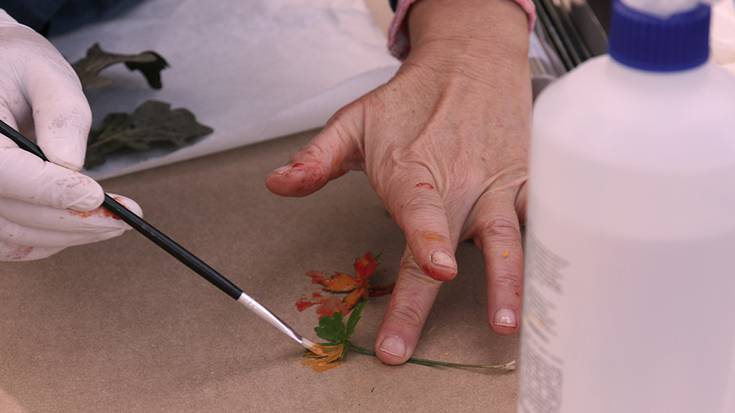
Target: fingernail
(505, 318)
(282, 170)
(443, 259)
(290, 168)
(394, 346)
(89, 201)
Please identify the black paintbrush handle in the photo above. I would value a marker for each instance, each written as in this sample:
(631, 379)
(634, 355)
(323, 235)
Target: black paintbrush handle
(172, 247)
(140, 225)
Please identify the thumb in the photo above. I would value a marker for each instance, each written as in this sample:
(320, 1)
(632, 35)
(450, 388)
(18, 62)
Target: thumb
(61, 114)
(331, 154)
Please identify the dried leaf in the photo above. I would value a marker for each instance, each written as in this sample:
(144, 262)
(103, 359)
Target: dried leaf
(152, 124)
(357, 287)
(149, 63)
(332, 329)
(353, 320)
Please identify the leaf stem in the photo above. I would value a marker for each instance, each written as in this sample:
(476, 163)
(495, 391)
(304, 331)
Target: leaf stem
(504, 368)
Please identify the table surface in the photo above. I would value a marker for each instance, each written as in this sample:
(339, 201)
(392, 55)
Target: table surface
(122, 327)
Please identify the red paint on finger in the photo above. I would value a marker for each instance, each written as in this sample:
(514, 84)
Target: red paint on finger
(433, 273)
(297, 165)
(100, 212)
(424, 185)
(20, 252)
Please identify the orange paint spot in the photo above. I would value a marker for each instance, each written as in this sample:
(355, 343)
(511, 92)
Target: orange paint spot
(433, 236)
(424, 185)
(506, 254)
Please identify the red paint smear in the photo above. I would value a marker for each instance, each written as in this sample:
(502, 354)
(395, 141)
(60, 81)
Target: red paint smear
(434, 274)
(100, 212)
(424, 185)
(21, 252)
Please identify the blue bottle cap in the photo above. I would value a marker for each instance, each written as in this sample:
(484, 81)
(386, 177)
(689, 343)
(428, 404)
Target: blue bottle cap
(656, 44)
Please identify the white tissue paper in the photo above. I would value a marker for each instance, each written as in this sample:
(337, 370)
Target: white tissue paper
(252, 70)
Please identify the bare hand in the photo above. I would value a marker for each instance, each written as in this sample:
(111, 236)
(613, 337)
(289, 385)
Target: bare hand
(444, 145)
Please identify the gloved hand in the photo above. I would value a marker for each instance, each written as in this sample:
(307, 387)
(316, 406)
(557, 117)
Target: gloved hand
(45, 206)
(444, 145)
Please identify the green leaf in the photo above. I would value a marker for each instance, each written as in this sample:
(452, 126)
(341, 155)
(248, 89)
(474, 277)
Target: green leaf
(332, 329)
(353, 319)
(152, 124)
(149, 63)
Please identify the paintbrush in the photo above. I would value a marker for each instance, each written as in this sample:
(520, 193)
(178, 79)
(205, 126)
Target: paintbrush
(177, 251)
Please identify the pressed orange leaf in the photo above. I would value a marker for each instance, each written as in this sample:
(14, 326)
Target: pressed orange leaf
(349, 302)
(303, 304)
(365, 266)
(328, 306)
(340, 283)
(329, 358)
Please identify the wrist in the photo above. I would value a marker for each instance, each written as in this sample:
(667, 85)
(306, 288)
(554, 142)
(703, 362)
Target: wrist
(489, 28)
(480, 39)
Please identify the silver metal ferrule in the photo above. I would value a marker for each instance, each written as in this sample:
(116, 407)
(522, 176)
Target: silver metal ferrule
(271, 318)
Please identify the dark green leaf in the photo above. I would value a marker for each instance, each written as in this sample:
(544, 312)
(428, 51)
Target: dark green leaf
(354, 318)
(152, 124)
(332, 329)
(149, 63)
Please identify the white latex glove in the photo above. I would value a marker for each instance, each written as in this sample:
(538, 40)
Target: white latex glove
(45, 207)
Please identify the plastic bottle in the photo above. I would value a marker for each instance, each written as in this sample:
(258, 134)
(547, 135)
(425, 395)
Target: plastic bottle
(629, 303)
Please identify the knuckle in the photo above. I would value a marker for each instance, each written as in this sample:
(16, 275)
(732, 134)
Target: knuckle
(406, 313)
(420, 205)
(311, 151)
(344, 120)
(508, 281)
(500, 229)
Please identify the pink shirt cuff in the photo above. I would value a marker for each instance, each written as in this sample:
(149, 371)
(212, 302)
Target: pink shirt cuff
(398, 41)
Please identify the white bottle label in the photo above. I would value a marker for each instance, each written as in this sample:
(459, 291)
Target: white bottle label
(542, 377)
(618, 324)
